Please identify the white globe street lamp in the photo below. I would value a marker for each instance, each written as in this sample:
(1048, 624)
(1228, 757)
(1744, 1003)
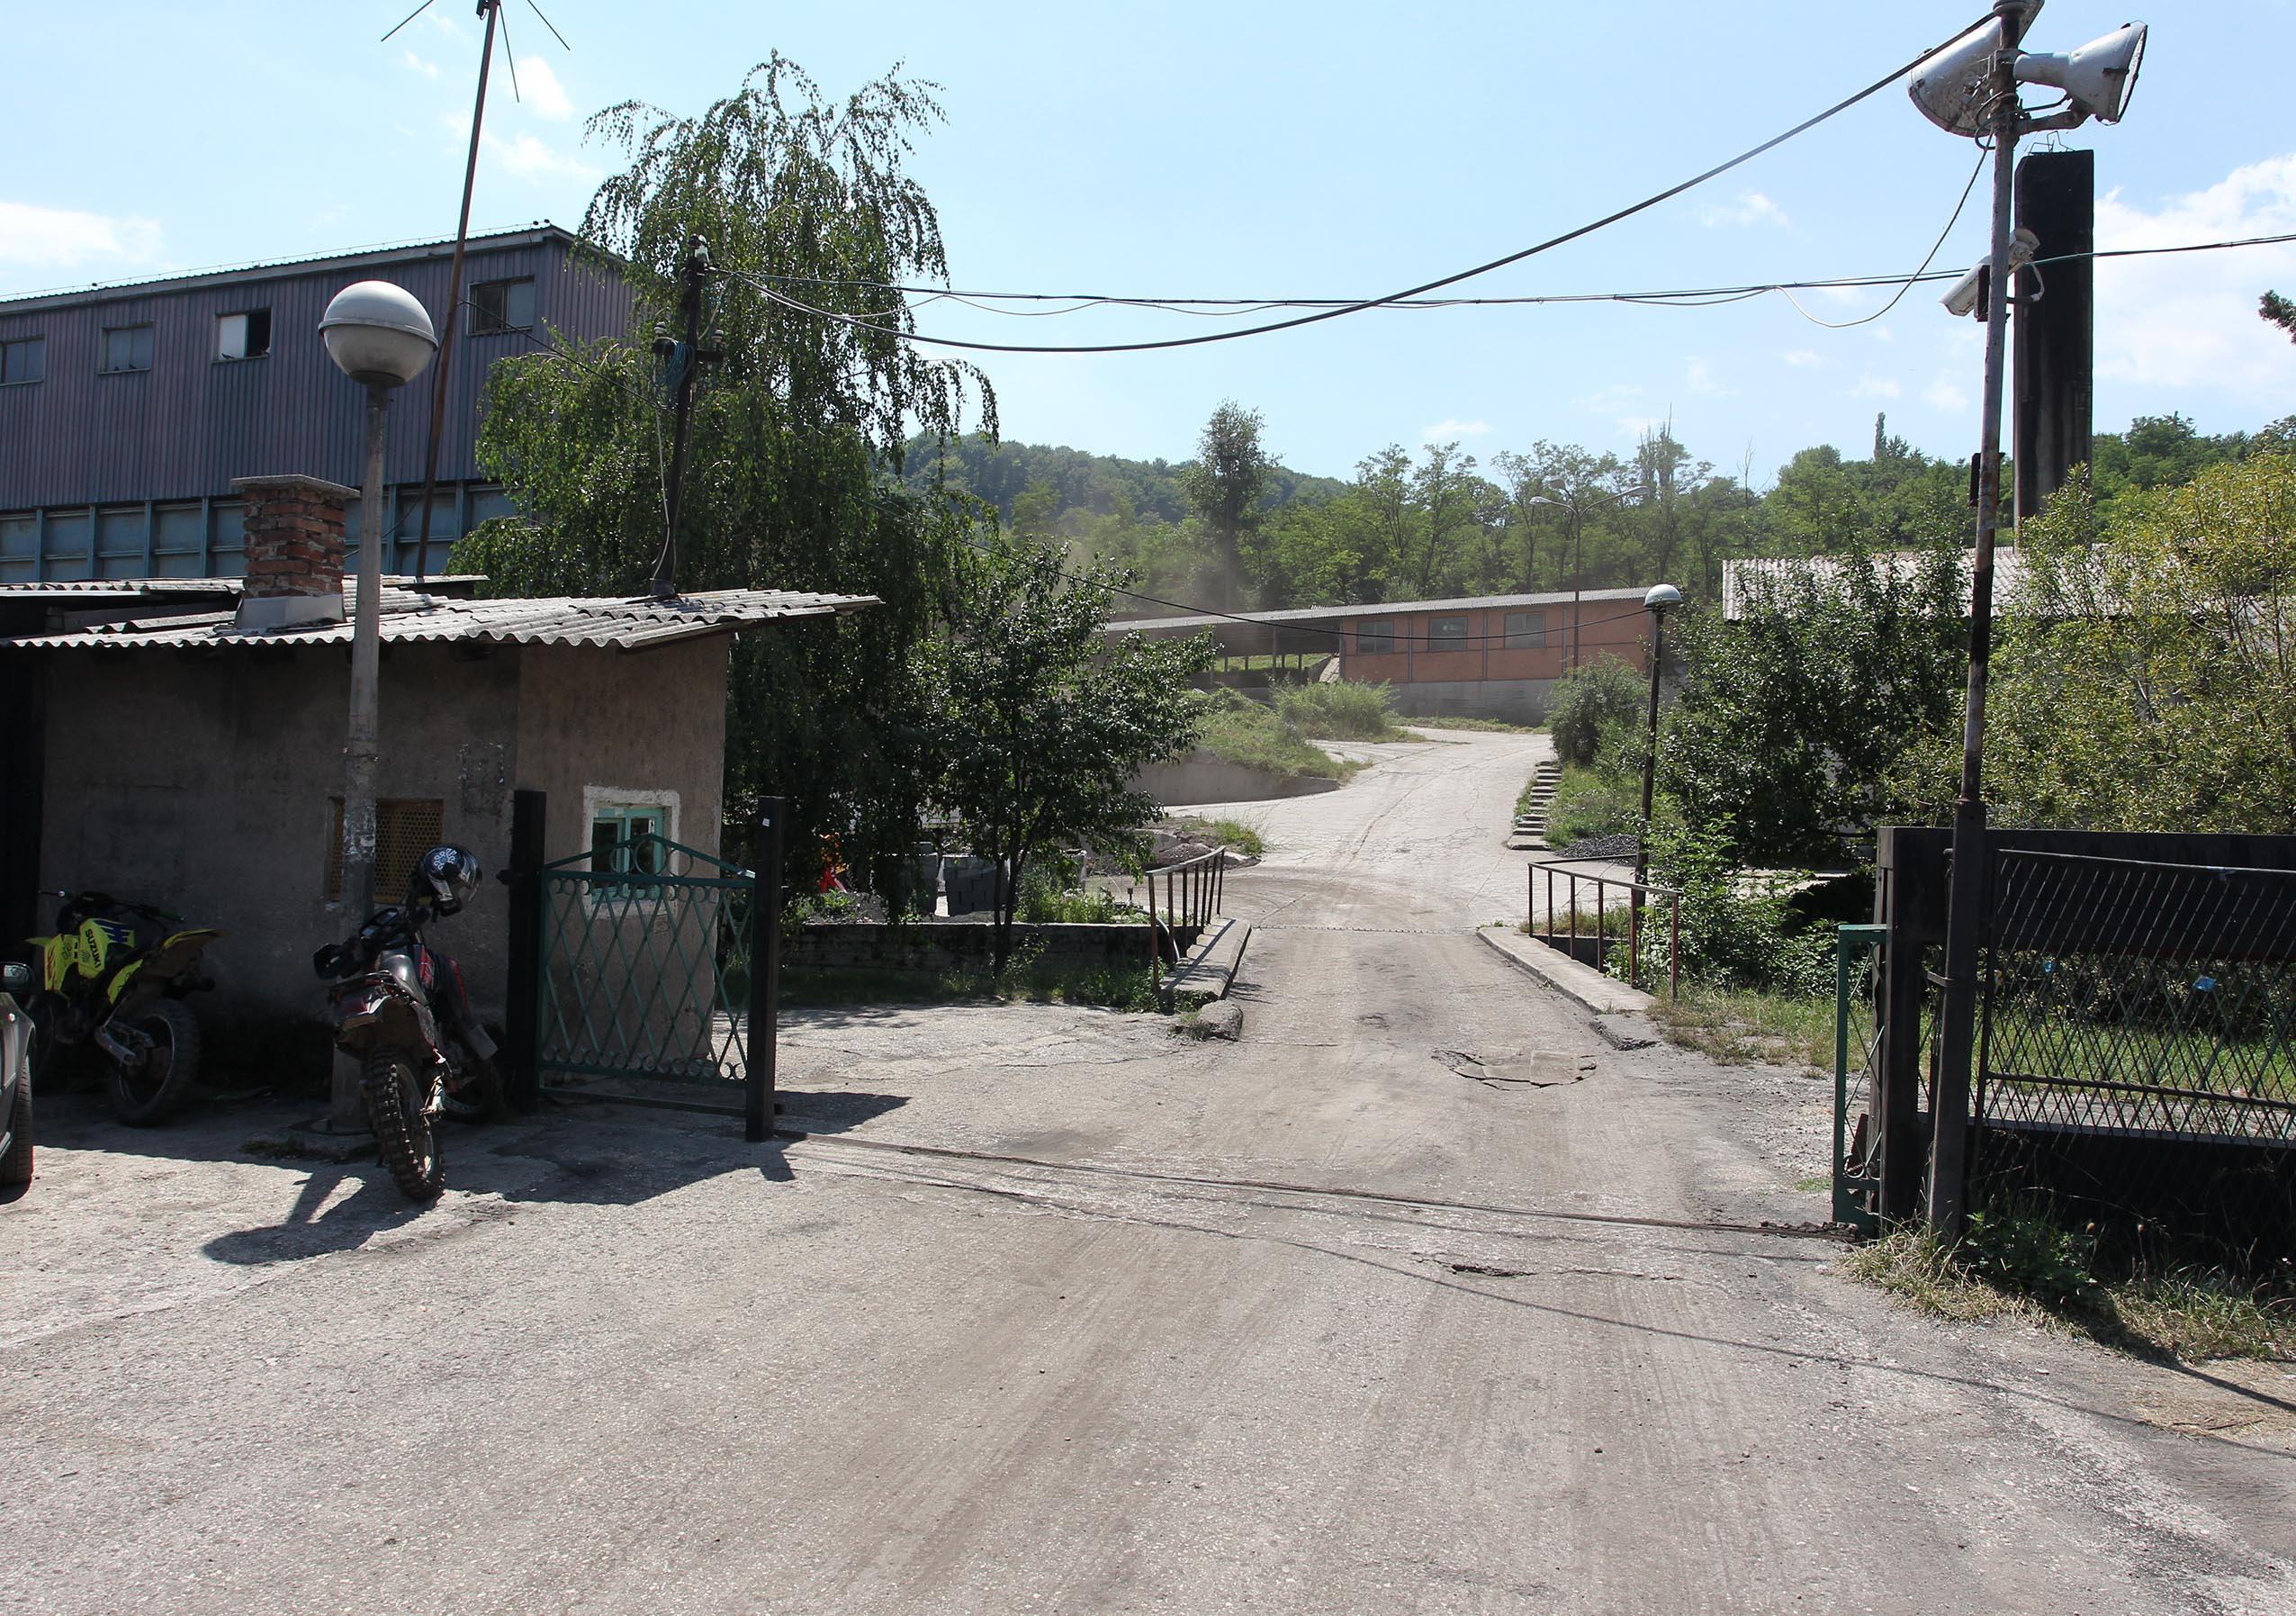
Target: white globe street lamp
(380, 336)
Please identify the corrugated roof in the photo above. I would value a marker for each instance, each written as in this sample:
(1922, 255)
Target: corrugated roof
(1383, 608)
(358, 257)
(193, 589)
(1744, 581)
(408, 615)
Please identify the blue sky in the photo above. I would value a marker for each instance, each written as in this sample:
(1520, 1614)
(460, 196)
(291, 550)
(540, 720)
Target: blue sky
(1253, 149)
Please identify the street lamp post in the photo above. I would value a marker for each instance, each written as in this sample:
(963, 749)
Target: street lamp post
(380, 336)
(1661, 598)
(1971, 88)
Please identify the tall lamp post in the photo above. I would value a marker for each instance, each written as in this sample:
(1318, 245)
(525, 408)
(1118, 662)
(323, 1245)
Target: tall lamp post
(1971, 88)
(1658, 602)
(1578, 508)
(380, 336)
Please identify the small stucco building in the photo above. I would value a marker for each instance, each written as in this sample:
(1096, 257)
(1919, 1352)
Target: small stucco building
(1484, 656)
(167, 744)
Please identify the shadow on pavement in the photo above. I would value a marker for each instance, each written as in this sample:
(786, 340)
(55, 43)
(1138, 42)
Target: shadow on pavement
(582, 1154)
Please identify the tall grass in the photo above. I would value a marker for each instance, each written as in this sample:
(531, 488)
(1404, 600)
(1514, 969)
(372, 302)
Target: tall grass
(1341, 710)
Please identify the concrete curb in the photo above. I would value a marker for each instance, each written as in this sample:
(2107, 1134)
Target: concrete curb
(1209, 970)
(1583, 985)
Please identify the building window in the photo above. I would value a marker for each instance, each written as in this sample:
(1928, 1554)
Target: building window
(1375, 639)
(1525, 630)
(1447, 634)
(501, 306)
(405, 828)
(625, 839)
(126, 347)
(243, 336)
(23, 361)
(630, 834)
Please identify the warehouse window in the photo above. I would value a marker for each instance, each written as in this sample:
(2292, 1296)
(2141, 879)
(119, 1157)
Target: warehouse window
(405, 828)
(1525, 630)
(125, 348)
(1375, 639)
(1447, 634)
(23, 361)
(501, 306)
(243, 336)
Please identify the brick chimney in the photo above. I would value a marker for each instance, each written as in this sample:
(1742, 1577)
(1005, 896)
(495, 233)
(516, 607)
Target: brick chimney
(295, 548)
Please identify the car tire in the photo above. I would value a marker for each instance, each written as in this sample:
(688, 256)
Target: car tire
(16, 1166)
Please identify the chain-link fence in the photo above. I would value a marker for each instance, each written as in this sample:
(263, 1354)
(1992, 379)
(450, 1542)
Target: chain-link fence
(2136, 1054)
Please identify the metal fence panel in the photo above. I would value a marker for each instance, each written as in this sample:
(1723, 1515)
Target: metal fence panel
(2137, 1018)
(644, 969)
(1858, 1028)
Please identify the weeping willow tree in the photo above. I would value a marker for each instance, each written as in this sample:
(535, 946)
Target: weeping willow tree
(797, 434)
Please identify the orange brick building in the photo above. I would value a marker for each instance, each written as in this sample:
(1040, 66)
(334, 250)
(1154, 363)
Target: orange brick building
(1487, 656)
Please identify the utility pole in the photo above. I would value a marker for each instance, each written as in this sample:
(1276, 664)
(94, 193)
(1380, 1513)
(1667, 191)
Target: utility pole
(486, 8)
(1957, 1029)
(688, 358)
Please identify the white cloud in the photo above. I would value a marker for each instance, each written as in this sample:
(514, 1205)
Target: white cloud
(1870, 387)
(1698, 375)
(1445, 430)
(2189, 321)
(1751, 208)
(415, 64)
(62, 238)
(1802, 358)
(529, 156)
(1947, 394)
(540, 89)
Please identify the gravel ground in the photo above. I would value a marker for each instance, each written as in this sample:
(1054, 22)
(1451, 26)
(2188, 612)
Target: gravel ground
(1418, 1298)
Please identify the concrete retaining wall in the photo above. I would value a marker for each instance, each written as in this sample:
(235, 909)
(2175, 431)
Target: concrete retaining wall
(832, 945)
(1200, 778)
(1508, 701)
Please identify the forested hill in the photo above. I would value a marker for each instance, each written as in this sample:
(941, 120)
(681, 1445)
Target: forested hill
(1093, 485)
(1441, 522)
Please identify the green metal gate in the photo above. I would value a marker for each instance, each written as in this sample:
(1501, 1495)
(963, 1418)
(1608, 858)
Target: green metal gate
(644, 991)
(1858, 1029)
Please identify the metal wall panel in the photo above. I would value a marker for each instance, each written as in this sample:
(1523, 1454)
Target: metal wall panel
(182, 430)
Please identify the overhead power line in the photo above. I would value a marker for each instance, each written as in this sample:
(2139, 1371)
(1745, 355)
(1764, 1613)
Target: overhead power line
(1688, 297)
(1607, 220)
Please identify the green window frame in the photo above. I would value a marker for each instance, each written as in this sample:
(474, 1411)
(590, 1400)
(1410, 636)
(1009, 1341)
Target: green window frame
(615, 825)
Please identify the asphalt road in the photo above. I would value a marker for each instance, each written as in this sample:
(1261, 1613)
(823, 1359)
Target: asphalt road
(1419, 1298)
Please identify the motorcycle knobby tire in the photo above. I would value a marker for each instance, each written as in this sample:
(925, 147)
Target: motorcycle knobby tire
(396, 1097)
(142, 1098)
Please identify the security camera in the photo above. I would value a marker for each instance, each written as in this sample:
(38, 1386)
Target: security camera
(1966, 295)
(2098, 77)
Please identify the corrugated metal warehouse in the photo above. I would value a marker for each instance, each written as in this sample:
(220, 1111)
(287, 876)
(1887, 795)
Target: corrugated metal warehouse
(125, 411)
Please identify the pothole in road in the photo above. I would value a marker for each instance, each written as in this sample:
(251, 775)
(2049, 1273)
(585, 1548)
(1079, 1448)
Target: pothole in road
(1514, 1069)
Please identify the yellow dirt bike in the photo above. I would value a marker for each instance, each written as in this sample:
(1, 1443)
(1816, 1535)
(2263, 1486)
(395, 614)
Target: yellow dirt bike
(113, 977)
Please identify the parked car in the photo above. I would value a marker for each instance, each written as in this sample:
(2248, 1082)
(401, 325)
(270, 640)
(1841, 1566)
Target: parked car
(15, 1082)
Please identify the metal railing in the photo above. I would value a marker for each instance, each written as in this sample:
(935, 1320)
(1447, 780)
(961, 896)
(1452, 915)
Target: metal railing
(1192, 892)
(1639, 894)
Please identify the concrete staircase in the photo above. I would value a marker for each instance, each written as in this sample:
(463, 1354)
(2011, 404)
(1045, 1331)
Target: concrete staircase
(1529, 832)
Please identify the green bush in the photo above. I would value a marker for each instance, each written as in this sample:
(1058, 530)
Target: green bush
(1241, 731)
(1593, 802)
(1731, 939)
(1596, 707)
(1342, 711)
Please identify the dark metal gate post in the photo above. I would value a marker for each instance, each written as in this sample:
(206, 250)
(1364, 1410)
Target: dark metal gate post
(765, 970)
(1910, 906)
(521, 1039)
